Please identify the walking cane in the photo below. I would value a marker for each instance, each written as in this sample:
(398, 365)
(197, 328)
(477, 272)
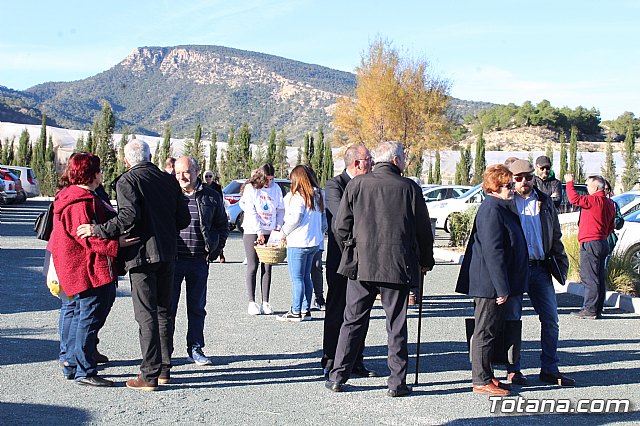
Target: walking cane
(420, 292)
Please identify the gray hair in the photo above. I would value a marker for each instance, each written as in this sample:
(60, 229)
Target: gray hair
(598, 181)
(385, 152)
(353, 153)
(136, 152)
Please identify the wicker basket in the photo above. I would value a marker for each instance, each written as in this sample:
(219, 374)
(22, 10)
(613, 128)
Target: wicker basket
(271, 254)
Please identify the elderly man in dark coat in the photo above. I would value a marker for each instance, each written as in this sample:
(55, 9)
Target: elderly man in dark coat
(384, 229)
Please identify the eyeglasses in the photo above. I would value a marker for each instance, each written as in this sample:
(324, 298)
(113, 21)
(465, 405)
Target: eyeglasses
(366, 159)
(509, 185)
(528, 178)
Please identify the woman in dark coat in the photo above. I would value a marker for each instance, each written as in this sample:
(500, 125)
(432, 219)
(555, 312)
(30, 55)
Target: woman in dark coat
(494, 268)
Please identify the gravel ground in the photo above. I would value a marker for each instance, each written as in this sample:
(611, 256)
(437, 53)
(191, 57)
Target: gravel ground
(268, 372)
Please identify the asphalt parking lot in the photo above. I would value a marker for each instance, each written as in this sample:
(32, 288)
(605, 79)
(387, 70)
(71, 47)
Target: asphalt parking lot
(268, 372)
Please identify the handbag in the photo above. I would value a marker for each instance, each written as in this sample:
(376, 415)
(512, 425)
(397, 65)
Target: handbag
(44, 224)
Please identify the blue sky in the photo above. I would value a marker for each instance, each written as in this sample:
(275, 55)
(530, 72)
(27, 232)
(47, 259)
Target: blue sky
(569, 52)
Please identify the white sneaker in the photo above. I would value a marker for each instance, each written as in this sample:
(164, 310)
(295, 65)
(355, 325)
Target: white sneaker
(266, 308)
(254, 309)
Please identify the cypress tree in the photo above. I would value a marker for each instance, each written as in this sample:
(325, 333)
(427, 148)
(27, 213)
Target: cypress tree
(11, 160)
(197, 151)
(23, 149)
(317, 161)
(631, 174)
(480, 163)
(549, 153)
(430, 173)
(305, 155)
(608, 169)
(563, 157)
(271, 147)
(299, 157)
(437, 178)
(581, 176)
(328, 163)
(244, 150)
(259, 157)
(3, 151)
(80, 144)
(166, 150)
(573, 152)
(50, 176)
(121, 167)
(282, 161)
(213, 154)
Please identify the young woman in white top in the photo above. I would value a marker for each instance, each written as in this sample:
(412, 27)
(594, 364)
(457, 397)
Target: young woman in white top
(304, 226)
(263, 207)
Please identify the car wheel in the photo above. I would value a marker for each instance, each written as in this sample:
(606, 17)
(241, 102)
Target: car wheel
(239, 220)
(633, 256)
(446, 226)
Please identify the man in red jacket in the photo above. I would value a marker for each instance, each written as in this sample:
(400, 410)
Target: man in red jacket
(596, 223)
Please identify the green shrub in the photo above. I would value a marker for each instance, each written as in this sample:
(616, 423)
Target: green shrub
(460, 225)
(622, 277)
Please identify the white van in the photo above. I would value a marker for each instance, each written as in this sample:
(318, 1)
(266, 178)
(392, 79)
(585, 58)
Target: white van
(28, 177)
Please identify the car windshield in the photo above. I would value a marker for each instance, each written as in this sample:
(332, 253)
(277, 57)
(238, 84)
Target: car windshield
(471, 192)
(633, 217)
(233, 187)
(624, 199)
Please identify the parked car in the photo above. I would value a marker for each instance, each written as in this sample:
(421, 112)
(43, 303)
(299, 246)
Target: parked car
(7, 175)
(628, 245)
(231, 194)
(9, 195)
(28, 178)
(3, 195)
(443, 192)
(442, 210)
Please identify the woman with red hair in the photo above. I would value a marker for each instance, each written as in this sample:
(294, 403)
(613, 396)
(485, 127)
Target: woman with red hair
(85, 267)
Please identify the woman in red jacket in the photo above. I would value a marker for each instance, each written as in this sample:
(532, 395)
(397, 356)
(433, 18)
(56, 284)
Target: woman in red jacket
(85, 267)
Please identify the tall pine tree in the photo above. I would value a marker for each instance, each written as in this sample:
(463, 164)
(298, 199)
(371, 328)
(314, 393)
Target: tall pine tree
(23, 157)
(282, 161)
(437, 177)
(563, 157)
(213, 155)
(166, 150)
(608, 169)
(328, 163)
(480, 163)
(573, 152)
(271, 147)
(244, 150)
(630, 174)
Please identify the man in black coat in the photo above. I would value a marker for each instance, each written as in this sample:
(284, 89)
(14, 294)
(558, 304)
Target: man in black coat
(151, 207)
(547, 183)
(357, 160)
(384, 227)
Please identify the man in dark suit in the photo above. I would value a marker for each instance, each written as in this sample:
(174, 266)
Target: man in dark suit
(387, 247)
(357, 161)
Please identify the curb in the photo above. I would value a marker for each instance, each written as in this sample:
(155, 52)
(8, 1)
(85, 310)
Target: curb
(612, 299)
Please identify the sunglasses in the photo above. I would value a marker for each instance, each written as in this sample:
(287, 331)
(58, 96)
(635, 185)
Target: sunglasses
(528, 178)
(509, 185)
(208, 177)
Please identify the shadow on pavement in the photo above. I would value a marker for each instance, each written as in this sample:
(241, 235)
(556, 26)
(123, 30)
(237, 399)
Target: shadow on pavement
(40, 414)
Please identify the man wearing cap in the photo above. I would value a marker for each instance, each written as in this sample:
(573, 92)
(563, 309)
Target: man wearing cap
(546, 182)
(539, 221)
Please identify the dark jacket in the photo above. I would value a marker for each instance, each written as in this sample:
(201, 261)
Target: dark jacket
(551, 187)
(213, 220)
(495, 262)
(334, 189)
(150, 206)
(81, 263)
(385, 216)
(551, 234)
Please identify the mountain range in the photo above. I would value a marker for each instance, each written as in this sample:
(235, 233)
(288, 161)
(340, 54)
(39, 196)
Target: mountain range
(215, 86)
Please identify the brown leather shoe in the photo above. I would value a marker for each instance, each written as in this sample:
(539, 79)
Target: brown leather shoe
(490, 389)
(498, 383)
(556, 379)
(140, 384)
(517, 378)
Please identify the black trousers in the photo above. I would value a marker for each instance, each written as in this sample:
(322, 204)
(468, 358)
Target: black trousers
(592, 273)
(360, 298)
(151, 287)
(334, 317)
(489, 317)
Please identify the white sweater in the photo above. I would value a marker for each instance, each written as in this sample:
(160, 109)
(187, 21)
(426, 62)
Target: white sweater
(303, 227)
(263, 209)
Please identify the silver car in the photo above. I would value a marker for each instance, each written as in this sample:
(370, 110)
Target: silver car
(30, 184)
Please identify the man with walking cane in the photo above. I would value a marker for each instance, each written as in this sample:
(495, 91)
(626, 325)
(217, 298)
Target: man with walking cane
(388, 260)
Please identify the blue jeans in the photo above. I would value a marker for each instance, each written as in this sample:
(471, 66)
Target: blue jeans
(543, 298)
(195, 272)
(300, 262)
(91, 309)
(64, 323)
